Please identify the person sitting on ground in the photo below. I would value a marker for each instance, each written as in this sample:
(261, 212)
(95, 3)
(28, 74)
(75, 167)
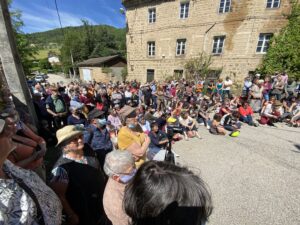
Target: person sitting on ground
(291, 108)
(97, 135)
(149, 114)
(78, 179)
(76, 117)
(216, 127)
(246, 114)
(189, 126)
(145, 125)
(128, 139)
(163, 193)
(203, 116)
(119, 166)
(225, 108)
(25, 198)
(230, 122)
(268, 114)
(158, 139)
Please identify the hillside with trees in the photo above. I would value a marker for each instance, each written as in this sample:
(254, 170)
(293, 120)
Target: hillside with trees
(78, 43)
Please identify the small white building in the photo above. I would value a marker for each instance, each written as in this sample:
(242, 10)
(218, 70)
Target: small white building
(53, 60)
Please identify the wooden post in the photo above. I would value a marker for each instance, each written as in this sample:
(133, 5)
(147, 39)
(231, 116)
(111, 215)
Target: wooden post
(12, 66)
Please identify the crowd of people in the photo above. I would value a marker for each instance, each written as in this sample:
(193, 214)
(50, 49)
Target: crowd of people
(114, 138)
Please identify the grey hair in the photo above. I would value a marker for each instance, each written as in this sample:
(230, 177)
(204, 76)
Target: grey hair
(117, 161)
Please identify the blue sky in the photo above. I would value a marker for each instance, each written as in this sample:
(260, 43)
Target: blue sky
(40, 15)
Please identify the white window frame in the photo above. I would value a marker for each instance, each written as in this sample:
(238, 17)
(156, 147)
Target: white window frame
(222, 9)
(220, 42)
(151, 48)
(180, 47)
(272, 4)
(151, 15)
(263, 43)
(184, 10)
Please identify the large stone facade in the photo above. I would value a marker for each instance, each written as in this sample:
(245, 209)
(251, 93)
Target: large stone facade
(241, 26)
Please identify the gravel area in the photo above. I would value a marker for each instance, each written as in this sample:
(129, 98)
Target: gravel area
(254, 178)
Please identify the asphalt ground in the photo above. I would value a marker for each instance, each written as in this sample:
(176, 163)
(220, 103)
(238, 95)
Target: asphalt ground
(253, 178)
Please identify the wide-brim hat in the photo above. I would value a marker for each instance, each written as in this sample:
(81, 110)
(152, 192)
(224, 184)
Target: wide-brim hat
(277, 103)
(95, 113)
(127, 112)
(67, 133)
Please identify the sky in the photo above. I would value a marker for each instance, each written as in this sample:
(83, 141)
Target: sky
(41, 15)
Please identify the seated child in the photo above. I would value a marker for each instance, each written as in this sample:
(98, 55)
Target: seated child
(216, 127)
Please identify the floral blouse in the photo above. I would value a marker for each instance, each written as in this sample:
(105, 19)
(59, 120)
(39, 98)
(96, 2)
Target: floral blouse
(17, 207)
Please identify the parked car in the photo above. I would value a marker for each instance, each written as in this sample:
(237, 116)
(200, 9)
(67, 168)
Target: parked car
(39, 78)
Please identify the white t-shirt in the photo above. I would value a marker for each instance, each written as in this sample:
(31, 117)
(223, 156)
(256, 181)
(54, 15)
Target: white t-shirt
(226, 83)
(128, 94)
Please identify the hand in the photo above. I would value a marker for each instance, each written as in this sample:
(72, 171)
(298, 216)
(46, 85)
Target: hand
(39, 154)
(43, 146)
(147, 140)
(73, 220)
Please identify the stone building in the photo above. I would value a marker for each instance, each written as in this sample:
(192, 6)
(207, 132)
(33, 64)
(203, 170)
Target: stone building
(163, 34)
(102, 69)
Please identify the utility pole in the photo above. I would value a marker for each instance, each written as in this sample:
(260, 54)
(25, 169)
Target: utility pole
(11, 63)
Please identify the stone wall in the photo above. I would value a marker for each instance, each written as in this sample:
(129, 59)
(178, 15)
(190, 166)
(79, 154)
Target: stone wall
(241, 26)
(99, 76)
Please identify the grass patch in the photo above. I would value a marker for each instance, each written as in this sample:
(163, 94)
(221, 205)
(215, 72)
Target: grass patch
(43, 53)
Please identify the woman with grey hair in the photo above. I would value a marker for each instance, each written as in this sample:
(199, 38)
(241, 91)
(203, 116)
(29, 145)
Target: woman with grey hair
(119, 166)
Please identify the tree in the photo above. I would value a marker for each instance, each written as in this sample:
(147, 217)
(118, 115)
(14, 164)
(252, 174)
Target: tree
(89, 41)
(283, 54)
(198, 66)
(44, 64)
(25, 49)
(73, 47)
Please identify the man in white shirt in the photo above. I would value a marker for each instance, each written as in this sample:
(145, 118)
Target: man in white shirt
(226, 88)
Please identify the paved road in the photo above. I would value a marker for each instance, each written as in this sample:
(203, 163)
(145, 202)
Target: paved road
(254, 179)
(54, 78)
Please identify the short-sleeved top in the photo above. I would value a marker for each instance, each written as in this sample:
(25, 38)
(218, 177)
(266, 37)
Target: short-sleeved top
(227, 84)
(127, 138)
(17, 207)
(60, 174)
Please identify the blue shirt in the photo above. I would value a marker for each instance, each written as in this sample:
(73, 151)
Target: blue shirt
(97, 139)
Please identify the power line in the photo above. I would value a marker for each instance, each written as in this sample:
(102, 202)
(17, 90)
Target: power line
(57, 11)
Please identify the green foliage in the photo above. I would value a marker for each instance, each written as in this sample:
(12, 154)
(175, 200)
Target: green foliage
(283, 54)
(44, 64)
(198, 66)
(124, 73)
(25, 49)
(90, 41)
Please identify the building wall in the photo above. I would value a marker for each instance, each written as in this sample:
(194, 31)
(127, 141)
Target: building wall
(99, 76)
(96, 74)
(241, 26)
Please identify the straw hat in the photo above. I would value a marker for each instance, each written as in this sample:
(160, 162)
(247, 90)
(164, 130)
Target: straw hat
(67, 133)
(277, 103)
